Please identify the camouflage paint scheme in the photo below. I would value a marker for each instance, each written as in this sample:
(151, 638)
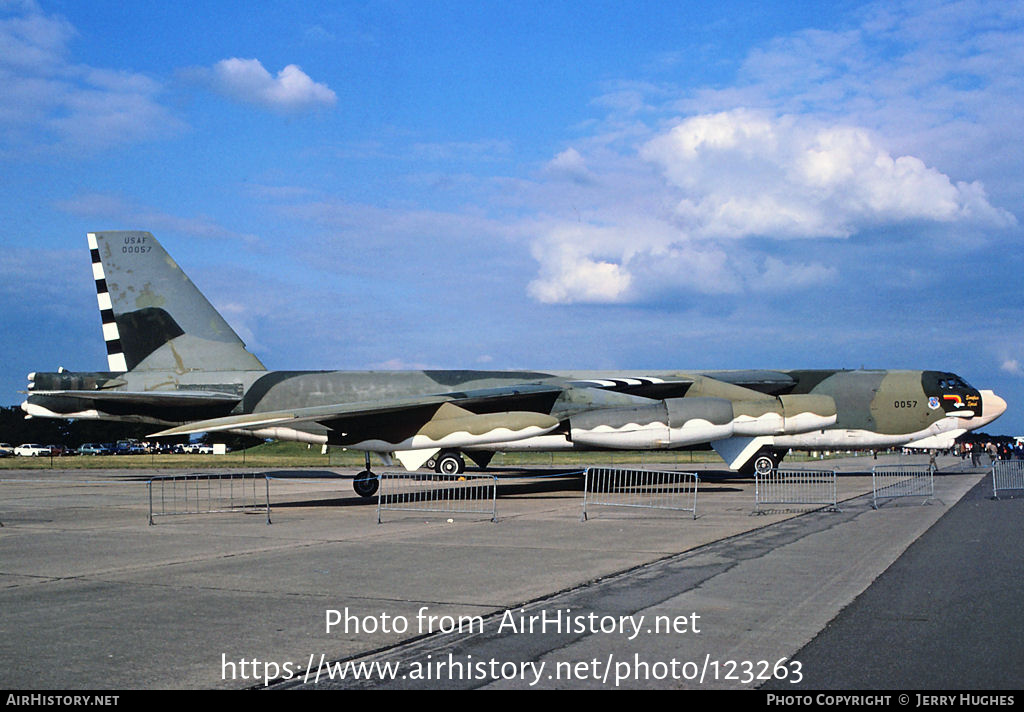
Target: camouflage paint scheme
(176, 363)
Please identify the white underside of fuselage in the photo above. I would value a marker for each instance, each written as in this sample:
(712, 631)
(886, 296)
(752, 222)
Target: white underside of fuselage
(853, 439)
(458, 439)
(939, 435)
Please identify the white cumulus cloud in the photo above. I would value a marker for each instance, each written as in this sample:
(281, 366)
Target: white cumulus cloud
(52, 104)
(292, 89)
(739, 173)
(571, 165)
(682, 212)
(571, 272)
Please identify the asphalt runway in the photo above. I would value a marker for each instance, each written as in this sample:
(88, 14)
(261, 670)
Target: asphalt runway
(95, 598)
(945, 615)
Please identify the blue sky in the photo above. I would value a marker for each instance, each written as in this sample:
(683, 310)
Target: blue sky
(529, 184)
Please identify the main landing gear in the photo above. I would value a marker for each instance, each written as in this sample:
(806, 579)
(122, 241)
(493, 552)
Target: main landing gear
(447, 462)
(366, 483)
(766, 460)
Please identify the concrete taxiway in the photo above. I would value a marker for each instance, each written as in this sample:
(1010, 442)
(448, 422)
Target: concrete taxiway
(94, 597)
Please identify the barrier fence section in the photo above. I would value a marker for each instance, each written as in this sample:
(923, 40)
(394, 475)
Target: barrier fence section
(176, 495)
(446, 494)
(815, 488)
(1007, 475)
(892, 481)
(646, 489)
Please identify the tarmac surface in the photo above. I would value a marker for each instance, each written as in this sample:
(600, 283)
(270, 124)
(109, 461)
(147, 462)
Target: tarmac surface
(945, 615)
(93, 597)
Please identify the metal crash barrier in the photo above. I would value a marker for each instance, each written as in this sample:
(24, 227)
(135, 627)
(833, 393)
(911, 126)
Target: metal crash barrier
(789, 488)
(176, 495)
(1007, 475)
(894, 481)
(445, 494)
(645, 489)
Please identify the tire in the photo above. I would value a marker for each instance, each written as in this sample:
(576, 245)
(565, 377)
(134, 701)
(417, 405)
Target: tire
(450, 463)
(765, 462)
(365, 484)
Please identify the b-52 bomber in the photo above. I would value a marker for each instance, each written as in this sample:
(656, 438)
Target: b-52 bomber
(174, 362)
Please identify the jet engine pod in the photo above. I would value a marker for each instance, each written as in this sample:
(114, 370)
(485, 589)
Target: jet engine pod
(669, 423)
(805, 413)
(785, 415)
(677, 422)
(630, 428)
(699, 420)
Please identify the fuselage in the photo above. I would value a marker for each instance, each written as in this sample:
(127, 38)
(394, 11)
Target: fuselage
(872, 408)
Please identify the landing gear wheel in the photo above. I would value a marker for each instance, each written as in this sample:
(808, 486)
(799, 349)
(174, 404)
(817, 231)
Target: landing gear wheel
(450, 463)
(365, 484)
(765, 462)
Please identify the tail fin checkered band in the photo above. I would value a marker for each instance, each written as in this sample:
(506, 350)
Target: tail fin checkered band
(115, 354)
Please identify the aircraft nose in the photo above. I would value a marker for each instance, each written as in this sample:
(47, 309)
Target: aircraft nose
(992, 406)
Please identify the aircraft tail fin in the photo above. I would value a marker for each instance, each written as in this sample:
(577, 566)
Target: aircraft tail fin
(154, 317)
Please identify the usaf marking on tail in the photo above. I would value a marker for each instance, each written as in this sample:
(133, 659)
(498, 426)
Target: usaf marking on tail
(175, 362)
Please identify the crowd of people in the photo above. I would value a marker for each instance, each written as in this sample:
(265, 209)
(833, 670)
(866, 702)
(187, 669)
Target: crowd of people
(993, 450)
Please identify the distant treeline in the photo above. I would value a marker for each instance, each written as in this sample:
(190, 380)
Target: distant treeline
(985, 438)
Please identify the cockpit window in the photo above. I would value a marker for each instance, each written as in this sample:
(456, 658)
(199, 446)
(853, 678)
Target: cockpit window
(951, 382)
(944, 383)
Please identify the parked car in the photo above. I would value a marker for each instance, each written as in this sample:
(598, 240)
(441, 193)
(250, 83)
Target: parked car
(164, 448)
(32, 450)
(6, 450)
(93, 449)
(129, 447)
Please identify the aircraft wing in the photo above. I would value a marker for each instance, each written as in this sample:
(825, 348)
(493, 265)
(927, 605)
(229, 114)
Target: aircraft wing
(149, 398)
(445, 419)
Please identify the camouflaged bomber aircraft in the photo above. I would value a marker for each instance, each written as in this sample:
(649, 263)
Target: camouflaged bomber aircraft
(175, 362)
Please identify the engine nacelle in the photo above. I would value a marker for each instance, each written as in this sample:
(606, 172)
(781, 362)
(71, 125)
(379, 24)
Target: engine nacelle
(677, 422)
(785, 415)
